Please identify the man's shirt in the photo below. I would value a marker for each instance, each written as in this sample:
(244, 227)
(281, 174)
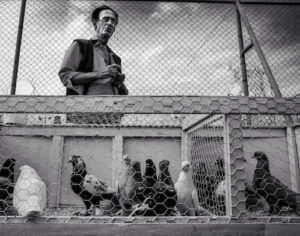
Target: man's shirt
(70, 64)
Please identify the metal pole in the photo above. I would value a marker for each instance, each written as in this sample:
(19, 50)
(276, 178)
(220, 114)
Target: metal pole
(18, 48)
(242, 55)
(260, 53)
(261, 56)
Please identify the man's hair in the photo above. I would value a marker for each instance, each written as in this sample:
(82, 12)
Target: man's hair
(95, 13)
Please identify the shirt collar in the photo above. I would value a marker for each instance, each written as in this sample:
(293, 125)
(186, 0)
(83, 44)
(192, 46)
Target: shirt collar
(95, 41)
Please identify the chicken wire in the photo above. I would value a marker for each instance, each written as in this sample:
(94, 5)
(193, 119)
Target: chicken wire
(207, 157)
(268, 182)
(167, 48)
(217, 146)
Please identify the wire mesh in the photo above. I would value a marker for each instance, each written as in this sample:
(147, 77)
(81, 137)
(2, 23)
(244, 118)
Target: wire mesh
(167, 48)
(187, 49)
(207, 157)
(108, 170)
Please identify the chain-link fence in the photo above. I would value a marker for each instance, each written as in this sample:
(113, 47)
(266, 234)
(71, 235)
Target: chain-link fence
(167, 48)
(150, 156)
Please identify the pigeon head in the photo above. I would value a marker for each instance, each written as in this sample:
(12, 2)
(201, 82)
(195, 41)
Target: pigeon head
(163, 165)
(77, 162)
(186, 166)
(149, 162)
(126, 159)
(28, 172)
(150, 170)
(135, 170)
(135, 166)
(260, 156)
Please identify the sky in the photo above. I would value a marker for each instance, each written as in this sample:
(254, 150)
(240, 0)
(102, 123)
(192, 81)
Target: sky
(166, 48)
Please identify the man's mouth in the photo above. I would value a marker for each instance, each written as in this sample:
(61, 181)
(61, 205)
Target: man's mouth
(109, 30)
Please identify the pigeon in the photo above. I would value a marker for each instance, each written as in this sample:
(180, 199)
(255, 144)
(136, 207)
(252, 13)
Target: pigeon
(272, 189)
(220, 173)
(123, 175)
(149, 178)
(91, 190)
(29, 197)
(164, 199)
(255, 202)
(221, 189)
(7, 177)
(134, 188)
(187, 196)
(205, 185)
(220, 186)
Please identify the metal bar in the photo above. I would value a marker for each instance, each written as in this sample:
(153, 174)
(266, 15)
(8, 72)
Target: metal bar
(293, 158)
(18, 49)
(246, 49)
(233, 158)
(261, 56)
(259, 51)
(261, 2)
(242, 55)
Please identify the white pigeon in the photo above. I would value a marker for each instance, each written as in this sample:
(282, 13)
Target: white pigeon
(221, 189)
(29, 198)
(187, 196)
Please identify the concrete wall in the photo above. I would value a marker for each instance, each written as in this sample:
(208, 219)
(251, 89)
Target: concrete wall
(47, 150)
(156, 149)
(271, 141)
(276, 150)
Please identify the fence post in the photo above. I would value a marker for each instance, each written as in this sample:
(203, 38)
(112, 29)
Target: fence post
(117, 154)
(18, 49)
(293, 158)
(56, 154)
(234, 166)
(242, 55)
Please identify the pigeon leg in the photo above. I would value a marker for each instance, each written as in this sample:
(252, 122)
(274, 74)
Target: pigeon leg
(86, 211)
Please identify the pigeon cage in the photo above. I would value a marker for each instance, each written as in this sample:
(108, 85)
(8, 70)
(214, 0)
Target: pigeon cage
(163, 154)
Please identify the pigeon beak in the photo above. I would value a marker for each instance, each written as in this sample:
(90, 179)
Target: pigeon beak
(244, 160)
(70, 160)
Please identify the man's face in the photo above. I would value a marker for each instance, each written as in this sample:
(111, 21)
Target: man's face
(106, 24)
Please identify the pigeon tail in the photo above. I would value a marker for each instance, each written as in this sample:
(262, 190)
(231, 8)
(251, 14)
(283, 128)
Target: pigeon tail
(32, 216)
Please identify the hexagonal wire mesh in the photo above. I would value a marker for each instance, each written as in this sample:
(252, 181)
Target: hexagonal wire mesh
(46, 140)
(141, 171)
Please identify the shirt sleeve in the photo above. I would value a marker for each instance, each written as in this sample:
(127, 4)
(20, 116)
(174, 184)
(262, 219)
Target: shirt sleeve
(69, 67)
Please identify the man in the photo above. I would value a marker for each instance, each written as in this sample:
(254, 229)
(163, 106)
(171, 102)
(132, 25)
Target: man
(90, 67)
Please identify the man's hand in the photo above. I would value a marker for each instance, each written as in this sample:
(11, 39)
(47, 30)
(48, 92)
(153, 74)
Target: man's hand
(119, 79)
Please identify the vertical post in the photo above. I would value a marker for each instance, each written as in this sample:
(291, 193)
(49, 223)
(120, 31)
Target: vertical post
(18, 49)
(234, 166)
(56, 155)
(261, 57)
(259, 51)
(242, 55)
(117, 154)
(185, 146)
(293, 158)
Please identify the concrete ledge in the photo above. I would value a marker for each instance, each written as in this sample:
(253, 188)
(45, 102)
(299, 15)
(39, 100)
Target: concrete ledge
(150, 105)
(149, 229)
